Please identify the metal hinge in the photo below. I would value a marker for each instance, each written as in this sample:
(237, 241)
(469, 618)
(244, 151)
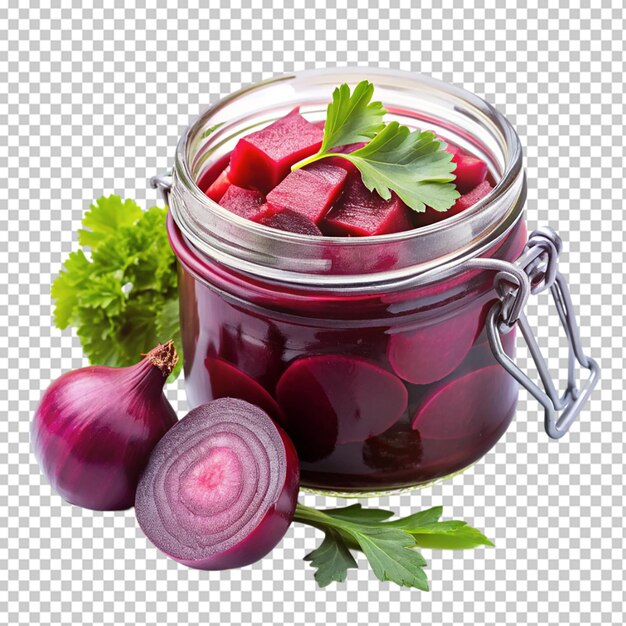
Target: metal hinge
(534, 272)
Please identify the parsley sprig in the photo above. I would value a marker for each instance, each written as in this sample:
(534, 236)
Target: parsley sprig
(413, 164)
(120, 290)
(389, 546)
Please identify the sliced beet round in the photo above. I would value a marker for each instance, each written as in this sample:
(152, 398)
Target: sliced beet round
(291, 222)
(331, 399)
(255, 346)
(466, 407)
(220, 488)
(429, 353)
(226, 381)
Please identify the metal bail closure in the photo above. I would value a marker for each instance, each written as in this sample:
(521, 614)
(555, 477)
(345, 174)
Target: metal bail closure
(163, 183)
(534, 272)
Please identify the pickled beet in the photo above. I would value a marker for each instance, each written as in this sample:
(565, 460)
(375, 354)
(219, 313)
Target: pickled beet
(344, 163)
(262, 159)
(429, 353)
(243, 202)
(335, 399)
(291, 222)
(254, 345)
(430, 216)
(470, 172)
(309, 191)
(467, 406)
(219, 186)
(362, 213)
(226, 381)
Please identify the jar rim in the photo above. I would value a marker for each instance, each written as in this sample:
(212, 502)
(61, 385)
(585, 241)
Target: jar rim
(254, 248)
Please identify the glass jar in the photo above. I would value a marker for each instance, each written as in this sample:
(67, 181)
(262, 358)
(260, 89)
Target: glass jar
(388, 359)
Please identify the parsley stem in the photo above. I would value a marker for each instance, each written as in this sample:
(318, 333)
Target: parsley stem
(316, 157)
(318, 519)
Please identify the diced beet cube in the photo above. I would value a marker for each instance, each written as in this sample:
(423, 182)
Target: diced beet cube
(291, 222)
(219, 186)
(428, 354)
(262, 159)
(452, 149)
(344, 163)
(468, 406)
(335, 399)
(309, 191)
(469, 172)
(244, 202)
(470, 199)
(362, 213)
(430, 216)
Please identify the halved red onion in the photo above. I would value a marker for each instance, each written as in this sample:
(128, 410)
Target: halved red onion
(220, 488)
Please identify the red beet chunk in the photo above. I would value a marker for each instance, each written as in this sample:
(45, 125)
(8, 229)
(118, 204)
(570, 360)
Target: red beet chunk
(469, 172)
(470, 199)
(430, 216)
(291, 222)
(262, 159)
(219, 186)
(344, 163)
(428, 354)
(220, 488)
(335, 399)
(309, 191)
(362, 213)
(226, 381)
(452, 149)
(468, 406)
(244, 202)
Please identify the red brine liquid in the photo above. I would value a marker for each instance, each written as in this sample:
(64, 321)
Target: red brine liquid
(378, 391)
(333, 373)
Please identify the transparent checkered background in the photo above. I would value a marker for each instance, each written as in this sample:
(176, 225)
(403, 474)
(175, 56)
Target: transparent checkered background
(93, 100)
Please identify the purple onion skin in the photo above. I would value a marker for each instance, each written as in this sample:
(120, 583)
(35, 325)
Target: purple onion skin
(266, 533)
(95, 427)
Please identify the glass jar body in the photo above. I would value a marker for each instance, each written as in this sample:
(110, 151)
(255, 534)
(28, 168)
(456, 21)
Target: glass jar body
(370, 351)
(379, 392)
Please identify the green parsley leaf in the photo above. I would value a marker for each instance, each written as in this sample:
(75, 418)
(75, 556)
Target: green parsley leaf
(412, 164)
(332, 559)
(390, 547)
(122, 299)
(392, 557)
(105, 217)
(357, 514)
(351, 118)
(422, 518)
(449, 536)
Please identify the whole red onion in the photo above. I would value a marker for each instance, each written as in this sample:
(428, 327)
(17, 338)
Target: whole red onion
(95, 427)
